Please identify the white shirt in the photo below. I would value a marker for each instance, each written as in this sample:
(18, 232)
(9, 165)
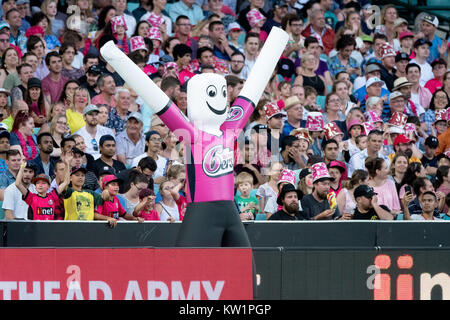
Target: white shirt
(420, 217)
(131, 24)
(101, 131)
(13, 201)
(357, 161)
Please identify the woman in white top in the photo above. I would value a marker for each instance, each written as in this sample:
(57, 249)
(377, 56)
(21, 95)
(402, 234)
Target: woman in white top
(138, 182)
(345, 199)
(167, 207)
(269, 189)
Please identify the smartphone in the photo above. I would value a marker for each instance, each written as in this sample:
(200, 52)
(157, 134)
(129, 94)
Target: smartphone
(408, 189)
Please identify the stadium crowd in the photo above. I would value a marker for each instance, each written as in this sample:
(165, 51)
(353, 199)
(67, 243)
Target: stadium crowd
(354, 123)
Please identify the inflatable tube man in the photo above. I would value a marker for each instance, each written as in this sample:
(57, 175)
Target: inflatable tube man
(208, 133)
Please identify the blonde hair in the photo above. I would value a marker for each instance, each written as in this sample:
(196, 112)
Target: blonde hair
(242, 178)
(54, 121)
(72, 103)
(174, 171)
(197, 30)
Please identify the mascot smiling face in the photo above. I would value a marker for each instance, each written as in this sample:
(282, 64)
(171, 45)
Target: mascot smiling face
(207, 102)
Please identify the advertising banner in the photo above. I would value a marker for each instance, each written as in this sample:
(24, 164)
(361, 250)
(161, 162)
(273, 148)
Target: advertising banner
(126, 274)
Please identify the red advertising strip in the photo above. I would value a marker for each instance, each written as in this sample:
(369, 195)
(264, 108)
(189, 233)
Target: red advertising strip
(126, 274)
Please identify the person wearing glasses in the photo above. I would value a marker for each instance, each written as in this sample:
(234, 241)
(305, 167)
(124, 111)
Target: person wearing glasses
(237, 63)
(91, 132)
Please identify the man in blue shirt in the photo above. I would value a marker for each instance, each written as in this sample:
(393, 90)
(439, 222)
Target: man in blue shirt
(429, 25)
(221, 49)
(4, 147)
(186, 8)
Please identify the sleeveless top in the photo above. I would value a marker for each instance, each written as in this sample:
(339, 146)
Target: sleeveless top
(173, 211)
(350, 205)
(316, 83)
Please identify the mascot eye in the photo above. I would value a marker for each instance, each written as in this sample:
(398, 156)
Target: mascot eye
(224, 91)
(211, 91)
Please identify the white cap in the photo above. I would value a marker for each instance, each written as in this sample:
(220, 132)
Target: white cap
(373, 80)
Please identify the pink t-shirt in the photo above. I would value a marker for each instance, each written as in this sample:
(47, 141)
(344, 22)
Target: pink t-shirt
(99, 100)
(52, 88)
(112, 208)
(42, 208)
(433, 85)
(209, 159)
(387, 195)
(151, 215)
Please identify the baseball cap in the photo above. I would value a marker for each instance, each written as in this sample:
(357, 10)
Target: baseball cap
(19, 2)
(405, 34)
(34, 83)
(422, 41)
(402, 56)
(259, 127)
(105, 170)
(3, 24)
(42, 177)
(364, 191)
(366, 38)
(94, 69)
(234, 26)
(90, 108)
(135, 115)
(432, 142)
(279, 3)
(372, 67)
(5, 134)
(108, 179)
(395, 94)
(374, 80)
(76, 169)
(431, 19)
(401, 139)
(439, 61)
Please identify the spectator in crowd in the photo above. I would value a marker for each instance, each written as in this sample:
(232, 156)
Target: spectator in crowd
(374, 145)
(43, 163)
(107, 88)
(13, 205)
(53, 84)
(117, 116)
(428, 202)
(251, 50)
(9, 63)
(107, 145)
(442, 185)
(237, 63)
(439, 67)
(315, 206)
(288, 199)
(308, 76)
(146, 165)
(121, 8)
(343, 61)
(399, 165)
(41, 22)
(186, 8)
(167, 207)
(345, 199)
(58, 130)
(25, 72)
(67, 53)
(22, 135)
(131, 141)
(378, 170)
(367, 205)
(138, 183)
(429, 25)
(294, 111)
(67, 93)
(92, 131)
(318, 26)
(90, 80)
(422, 52)
(74, 115)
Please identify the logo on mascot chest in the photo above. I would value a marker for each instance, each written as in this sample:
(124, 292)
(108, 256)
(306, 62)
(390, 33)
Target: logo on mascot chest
(236, 113)
(218, 161)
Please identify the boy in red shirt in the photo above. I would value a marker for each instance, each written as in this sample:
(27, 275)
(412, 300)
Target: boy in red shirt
(41, 205)
(111, 204)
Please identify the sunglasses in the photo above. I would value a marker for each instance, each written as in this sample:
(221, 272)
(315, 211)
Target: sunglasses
(94, 144)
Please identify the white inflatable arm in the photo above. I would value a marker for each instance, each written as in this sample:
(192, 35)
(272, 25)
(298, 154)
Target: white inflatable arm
(153, 96)
(265, 64)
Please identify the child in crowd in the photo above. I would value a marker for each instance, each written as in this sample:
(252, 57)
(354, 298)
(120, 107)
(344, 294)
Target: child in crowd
(177, 175)
(269, 189)
(167, 208)
(337, 170)
(361, 142)
(119, 27)
(146, 207)
(247, 204)
(284, 92)
(354, 129)
(305, 142)
(447, 203)
(310, 101)
(111, 206)
(256, 20)
(42, 206)
(234, 32)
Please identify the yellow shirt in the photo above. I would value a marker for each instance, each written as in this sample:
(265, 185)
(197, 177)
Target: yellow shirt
(80, 205)
(411, 160)
(75, 120)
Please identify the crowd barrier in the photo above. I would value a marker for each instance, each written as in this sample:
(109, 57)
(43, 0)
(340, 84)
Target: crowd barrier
(294, 260)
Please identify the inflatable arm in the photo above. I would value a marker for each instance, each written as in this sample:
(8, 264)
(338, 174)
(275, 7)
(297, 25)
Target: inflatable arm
(153, 96)
(265, 64)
